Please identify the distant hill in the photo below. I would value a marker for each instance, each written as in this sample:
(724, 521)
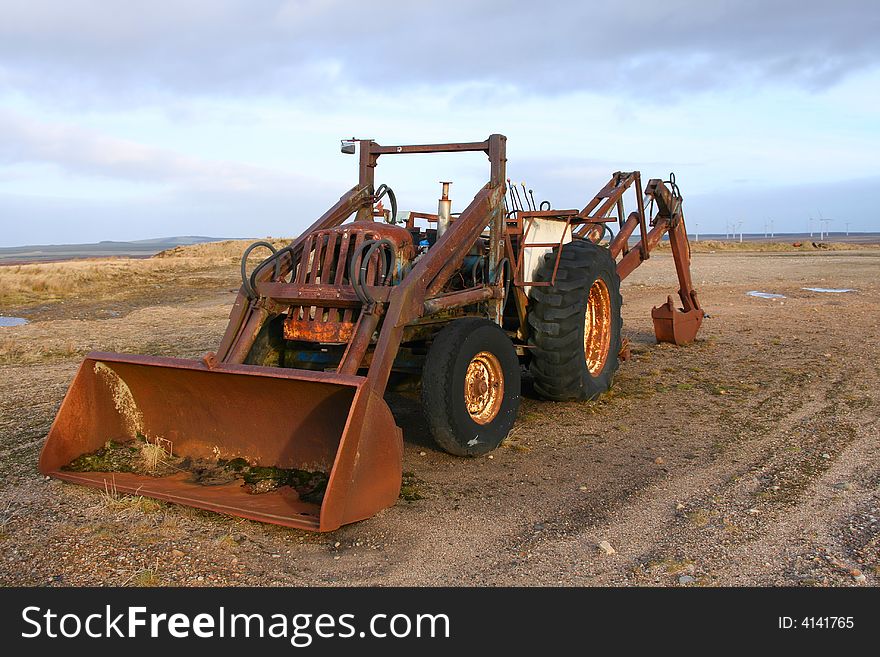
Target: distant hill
(136, 248)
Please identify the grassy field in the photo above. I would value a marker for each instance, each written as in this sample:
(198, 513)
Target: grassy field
(121, 278)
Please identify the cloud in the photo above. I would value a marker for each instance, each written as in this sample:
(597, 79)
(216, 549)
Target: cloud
(81, 51)
(132, 190)
(80, 151)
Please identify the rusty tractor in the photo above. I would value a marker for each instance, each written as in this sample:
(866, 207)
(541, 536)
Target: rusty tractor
(465, 301)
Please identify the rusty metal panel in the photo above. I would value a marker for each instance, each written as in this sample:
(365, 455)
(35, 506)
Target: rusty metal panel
(330, 332)
(327, 312)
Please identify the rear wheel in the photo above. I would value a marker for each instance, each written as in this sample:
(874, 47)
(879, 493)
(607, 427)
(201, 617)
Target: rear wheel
(470, 387)
(575, 323)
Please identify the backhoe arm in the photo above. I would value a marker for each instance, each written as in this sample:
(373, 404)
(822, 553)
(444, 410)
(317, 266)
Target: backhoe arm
(671, 324)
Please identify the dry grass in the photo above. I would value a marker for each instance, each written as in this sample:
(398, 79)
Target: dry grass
(121, 278)
(126, 507)
(56, 337)
(154, 454)
(19, 352)
(226, 542)
(147, 578)
(221, 250)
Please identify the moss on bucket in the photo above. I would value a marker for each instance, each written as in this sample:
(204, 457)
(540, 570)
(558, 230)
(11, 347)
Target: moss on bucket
(144, 457)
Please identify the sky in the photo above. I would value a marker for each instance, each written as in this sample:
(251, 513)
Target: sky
(145, 119)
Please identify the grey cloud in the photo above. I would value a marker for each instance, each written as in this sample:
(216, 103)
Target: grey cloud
(139, 51)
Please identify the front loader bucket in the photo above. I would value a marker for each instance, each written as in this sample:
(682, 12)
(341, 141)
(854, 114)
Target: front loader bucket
(314, 421)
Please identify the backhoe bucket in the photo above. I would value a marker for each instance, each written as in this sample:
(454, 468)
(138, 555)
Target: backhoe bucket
(274, 417)
(674, 325)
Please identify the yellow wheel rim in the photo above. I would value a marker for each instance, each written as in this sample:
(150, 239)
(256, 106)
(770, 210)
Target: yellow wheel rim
(483, 387)
(597, 327)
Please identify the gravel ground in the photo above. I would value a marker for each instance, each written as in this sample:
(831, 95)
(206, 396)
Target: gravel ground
(749, 458)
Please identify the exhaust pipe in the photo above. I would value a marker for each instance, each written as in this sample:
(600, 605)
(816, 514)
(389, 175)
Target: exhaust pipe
(444, 211)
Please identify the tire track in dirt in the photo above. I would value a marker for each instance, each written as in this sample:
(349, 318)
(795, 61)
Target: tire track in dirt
(807, 527)
(732, 534)
(801, 538)
(637, 526)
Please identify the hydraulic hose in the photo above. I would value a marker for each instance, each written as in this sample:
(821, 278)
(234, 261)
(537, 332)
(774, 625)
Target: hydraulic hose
(248, 281)
(357, 273)
(381, 192)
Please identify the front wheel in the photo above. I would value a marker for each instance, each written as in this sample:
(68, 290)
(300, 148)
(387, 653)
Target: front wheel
(470, 387)
(575, 323)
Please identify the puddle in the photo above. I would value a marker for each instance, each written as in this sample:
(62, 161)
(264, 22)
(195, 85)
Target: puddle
(12, 321)
(828, 289)
(765, 295)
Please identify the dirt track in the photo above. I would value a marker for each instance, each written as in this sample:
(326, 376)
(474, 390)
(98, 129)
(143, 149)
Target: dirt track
(751, 457)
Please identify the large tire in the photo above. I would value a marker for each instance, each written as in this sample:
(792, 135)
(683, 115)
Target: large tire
(470, 387)
(575, 323)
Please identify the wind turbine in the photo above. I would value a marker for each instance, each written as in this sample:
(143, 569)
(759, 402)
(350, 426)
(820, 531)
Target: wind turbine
(823, 232)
